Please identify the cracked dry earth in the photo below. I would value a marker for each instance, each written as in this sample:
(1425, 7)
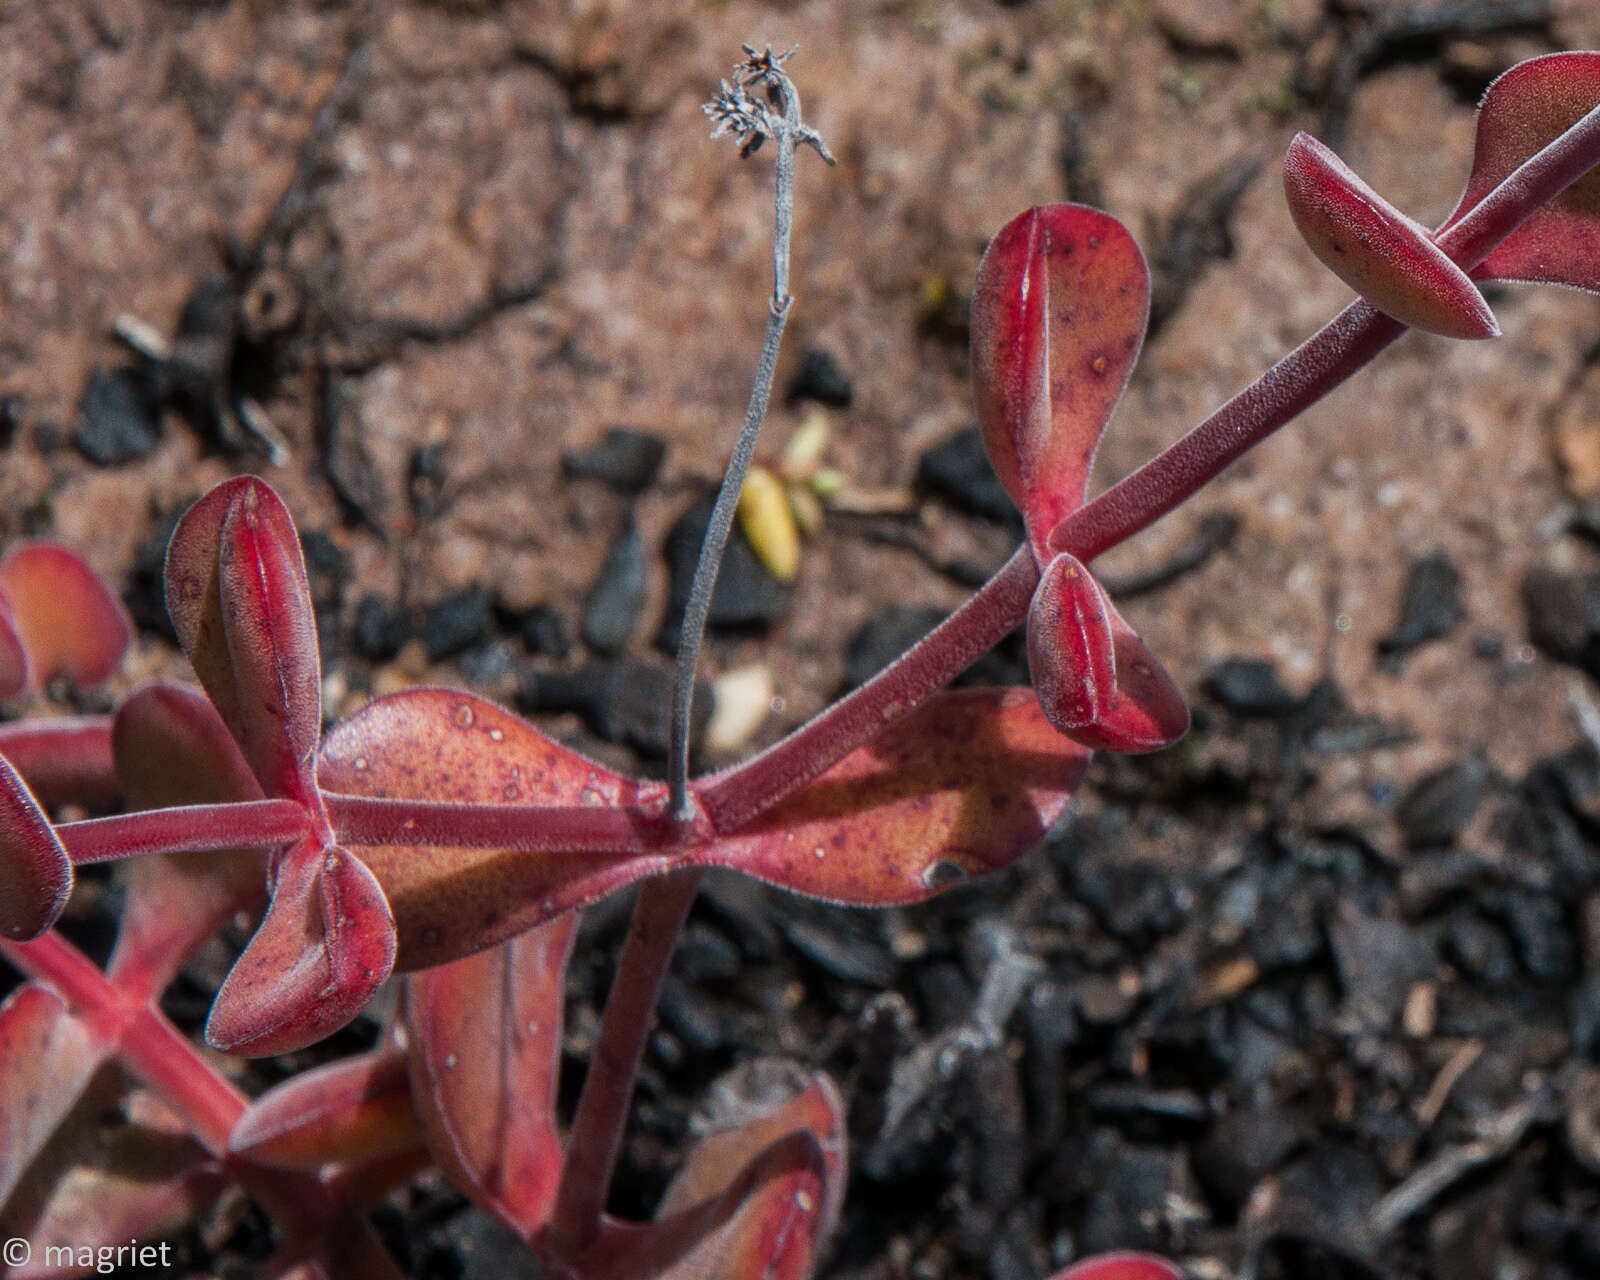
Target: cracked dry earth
(1314, 994)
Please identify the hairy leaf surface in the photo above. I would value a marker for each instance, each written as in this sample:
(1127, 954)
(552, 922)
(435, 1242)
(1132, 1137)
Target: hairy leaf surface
(1383, 255)
(1097, 682)
(486, 1049)
(35, 871)
(326, 943)
(353, 1109)
(440, 744)
(1527, 107)
(1058, 316)
(962, 786)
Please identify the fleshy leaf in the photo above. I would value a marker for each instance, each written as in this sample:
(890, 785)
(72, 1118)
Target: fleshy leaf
(239, 600)
(63, 759)
(1097, 682)
(68, 621)
(1058, 316)
(485, 1035)
(962, 786)
(325, 945)
(1527, 107)
(121, 1169)
(754, 1198)
(35, 871)
(47, 1056)
(1121, 1266)
(439, 744)
(352, 1109)
(1383, 255)
(750, 1108)
(15, 673)
(171, 748)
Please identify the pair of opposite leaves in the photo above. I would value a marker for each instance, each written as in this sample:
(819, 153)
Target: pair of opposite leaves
(962, 786)
(1058, 316)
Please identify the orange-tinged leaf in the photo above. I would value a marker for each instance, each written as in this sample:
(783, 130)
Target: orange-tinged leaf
(325, 945)
(15, 673)
(962, 786)
(1121, 1266)
(69, 621)
(439, 744)
(1097, 682)
(353, 1109)
(171, 748)
(485, 1036)
(47, 1056)
(1058, 316)
(1527, 107)
(1383, 255)
(35, 871)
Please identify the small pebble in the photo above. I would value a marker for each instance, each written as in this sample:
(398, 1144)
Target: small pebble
(1437, 807)
(1430, 605)
(545, 632)
(746, 595)
(741, 703)
(118, 418)
(611, 610)
(624, 459)
(1563, 613)
(456, 624)
(1250, 687)
(380, 630)
(958, 470)
(818, 377)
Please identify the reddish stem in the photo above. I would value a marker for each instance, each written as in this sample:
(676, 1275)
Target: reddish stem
(596, 1137)
(571, 828)
(195, 828)
(737, 795)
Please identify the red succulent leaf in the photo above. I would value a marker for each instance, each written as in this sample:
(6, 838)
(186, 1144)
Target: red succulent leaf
(1386, 257)
(439, 744)
(353, 1109)
(121, 1169)
(64, 759)
(1527, 107)
(15, 673)
(69, 623)
(35, 871)
(241, 605)
(485, 1036)
(171, 748)
(962, 786)
(1097, 682)
(47, 1057)
(753, 1199)
(1121, 1266)
(1058, 316)
(753, 1106)
(326, 944)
